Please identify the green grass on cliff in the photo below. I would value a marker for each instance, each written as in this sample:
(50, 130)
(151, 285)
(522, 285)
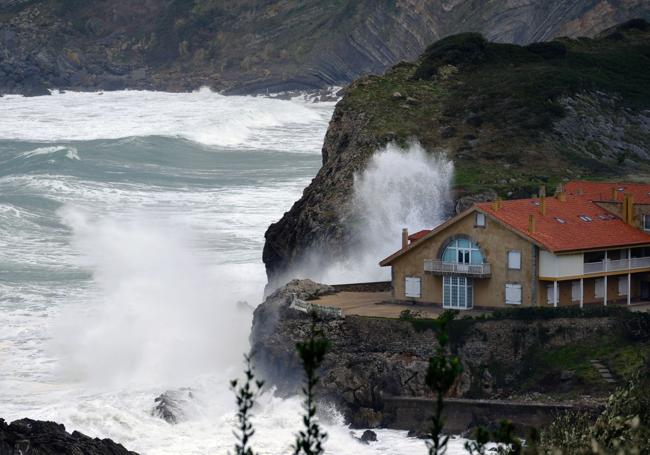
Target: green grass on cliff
(492, 106)
(572, 365)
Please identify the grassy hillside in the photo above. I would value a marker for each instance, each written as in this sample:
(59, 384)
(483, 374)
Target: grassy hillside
(513, 116)
(510, 117)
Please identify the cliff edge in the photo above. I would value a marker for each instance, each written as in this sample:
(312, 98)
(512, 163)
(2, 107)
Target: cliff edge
(510, 117)
(529, 354)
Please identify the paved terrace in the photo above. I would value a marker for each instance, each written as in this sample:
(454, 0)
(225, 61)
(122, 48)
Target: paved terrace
(379, 304)
(375, 304)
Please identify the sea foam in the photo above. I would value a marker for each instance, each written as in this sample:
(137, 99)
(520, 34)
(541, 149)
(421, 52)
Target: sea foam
(204, 117)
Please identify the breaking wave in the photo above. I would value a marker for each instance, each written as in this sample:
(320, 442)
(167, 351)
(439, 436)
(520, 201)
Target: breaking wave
(400, 188)
(204, 117)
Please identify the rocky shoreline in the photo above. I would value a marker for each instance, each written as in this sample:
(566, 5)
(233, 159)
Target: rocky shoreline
(375, 360)
(34, 437)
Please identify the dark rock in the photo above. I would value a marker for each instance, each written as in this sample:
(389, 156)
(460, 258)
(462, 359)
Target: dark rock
(170, 406)
(465, 202)
(366, 418)
(419, 434)
(474, 120)
(447, 132)
(374, 358)
(34, 437)
(368, 436)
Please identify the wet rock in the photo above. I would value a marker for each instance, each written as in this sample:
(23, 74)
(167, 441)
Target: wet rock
(368, 436)
(474, 120)
(367, 417)
(34, 437)
(419, 434)
(465, 202)
(447, 132)
(170, 406)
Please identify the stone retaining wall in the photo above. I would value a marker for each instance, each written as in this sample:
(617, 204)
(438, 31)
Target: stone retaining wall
(462, 415)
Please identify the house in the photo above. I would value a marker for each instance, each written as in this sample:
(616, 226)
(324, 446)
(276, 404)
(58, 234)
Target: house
(588, 244)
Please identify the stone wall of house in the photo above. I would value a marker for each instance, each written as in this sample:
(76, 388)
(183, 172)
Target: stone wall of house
(495, 241)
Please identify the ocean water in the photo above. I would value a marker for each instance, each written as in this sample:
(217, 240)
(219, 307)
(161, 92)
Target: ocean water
(131, 231)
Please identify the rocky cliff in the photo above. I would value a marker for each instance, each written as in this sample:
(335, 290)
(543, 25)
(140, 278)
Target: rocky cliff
(33, 437)
(253, 45)
(372, 358)
(510, 117)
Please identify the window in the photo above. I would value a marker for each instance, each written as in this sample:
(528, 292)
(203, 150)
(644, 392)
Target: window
(412, 287)
(585, 218)
(463, 251)
(513, 294)
(560, 220)
(575, 291)
(550, 294)
(646, 222)
(599, 291)
(622, 285)
(457, 292)
(514, 260)
(480, 219)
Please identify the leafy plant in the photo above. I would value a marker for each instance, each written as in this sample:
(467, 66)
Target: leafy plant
(245, 397)
(312, 352)
(441, 374)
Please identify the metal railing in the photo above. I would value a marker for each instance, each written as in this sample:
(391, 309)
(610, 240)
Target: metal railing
(616, 265)
(437, 266)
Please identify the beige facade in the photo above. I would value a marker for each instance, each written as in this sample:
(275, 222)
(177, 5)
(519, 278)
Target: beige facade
(494, 242)
(576, 284)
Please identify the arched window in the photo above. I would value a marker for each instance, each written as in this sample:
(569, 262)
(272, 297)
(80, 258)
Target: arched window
(463, 251)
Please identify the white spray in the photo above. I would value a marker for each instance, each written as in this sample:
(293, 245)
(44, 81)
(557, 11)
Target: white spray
(400, 188)
(163, 317)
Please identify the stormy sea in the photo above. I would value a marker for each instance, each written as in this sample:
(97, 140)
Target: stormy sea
(131, 231)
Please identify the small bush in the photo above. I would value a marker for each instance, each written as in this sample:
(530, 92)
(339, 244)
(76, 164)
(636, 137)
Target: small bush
(548, 50)
(454, 50)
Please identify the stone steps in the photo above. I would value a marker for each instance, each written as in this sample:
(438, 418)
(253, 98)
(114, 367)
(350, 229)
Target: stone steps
(604, 371)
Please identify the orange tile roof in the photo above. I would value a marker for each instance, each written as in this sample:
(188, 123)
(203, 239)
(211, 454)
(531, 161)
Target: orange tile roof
(418, 235)
(562, 229)
(602, 191)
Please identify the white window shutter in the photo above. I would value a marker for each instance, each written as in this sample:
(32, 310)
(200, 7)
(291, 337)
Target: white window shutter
(599, 291)
(622, 285)
(514, 260)
(575, 291)
(513, 294)
(412, 287)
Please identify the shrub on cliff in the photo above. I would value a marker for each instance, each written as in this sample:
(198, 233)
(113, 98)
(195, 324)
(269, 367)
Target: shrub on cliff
(622, 428)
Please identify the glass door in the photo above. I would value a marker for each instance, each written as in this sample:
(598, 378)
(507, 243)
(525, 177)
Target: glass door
(457, 292)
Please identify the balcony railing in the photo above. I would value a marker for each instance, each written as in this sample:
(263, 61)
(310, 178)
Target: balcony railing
(616, 265)
(440, 267)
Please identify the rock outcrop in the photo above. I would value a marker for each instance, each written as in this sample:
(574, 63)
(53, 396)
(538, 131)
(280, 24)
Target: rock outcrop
(371, 358)
(170, 405)
(510, 117)
(252, 46)
(33, 437)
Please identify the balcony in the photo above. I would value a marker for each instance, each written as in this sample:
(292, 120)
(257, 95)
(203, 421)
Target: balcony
(442, 268)
(618, 265)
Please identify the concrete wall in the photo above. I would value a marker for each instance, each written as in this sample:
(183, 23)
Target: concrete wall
(405, 413)
(495, 241)
(552, 265)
